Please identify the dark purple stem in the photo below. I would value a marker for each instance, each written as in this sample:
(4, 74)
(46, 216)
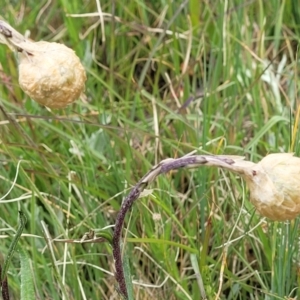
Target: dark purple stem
(132, 196)
(163, 167)
(4, 286)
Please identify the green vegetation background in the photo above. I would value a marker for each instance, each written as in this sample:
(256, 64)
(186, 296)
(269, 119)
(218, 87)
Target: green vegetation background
(68, 170)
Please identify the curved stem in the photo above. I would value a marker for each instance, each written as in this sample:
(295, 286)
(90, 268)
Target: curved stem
(163, 167)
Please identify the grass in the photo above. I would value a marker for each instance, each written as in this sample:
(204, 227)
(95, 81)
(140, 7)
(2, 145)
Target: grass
(73, 167)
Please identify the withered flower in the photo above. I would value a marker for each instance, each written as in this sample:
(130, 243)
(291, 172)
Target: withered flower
(274, 184)
(50, 73)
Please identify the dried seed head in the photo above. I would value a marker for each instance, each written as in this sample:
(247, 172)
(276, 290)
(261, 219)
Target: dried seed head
(274, 185)
(51, 74)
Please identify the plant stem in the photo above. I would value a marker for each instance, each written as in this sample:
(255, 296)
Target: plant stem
(161, 168)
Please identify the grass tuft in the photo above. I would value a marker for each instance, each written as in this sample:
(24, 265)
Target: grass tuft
(165, 78)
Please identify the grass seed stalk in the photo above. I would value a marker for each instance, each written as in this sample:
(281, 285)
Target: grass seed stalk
(273, 184)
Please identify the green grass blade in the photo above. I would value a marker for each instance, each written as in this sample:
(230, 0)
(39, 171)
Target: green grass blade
(13, 244)
(27, 288)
